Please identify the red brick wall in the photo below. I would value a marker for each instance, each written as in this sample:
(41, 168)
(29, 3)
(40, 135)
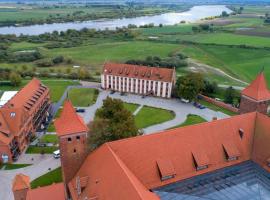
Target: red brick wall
(20, 194)
(219, 103)
(73, 153)
(248, 105)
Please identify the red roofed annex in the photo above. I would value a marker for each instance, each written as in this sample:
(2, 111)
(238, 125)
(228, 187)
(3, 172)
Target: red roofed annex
(138, 79)
(221, 159)
(20, 117)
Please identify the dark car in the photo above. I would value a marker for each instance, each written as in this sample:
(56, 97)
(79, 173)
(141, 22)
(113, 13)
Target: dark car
(80, 110)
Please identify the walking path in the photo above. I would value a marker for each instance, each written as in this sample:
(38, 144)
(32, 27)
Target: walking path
(41, 165)
(138, 109)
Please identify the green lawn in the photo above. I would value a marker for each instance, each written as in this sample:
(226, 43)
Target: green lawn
(149, 116)
(83, 97)
(38, 150)
(131, 107)
(49, 139)
(54, 176)
(191, 120)
(14, 166)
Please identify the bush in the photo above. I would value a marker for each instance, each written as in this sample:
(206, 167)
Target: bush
(58, 59)
(44, 63)
(15, 79)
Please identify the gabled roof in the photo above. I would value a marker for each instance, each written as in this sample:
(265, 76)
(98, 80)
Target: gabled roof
(21, 182)
(133, 161)
(257, 89)
(69, 121)
(51, 192)
(139, 72)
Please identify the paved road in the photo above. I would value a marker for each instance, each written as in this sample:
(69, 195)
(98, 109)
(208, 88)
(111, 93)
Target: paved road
(41, 164)
(181, 109)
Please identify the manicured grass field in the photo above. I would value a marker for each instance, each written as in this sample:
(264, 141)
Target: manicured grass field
(191, 120)
(83, 97)
(49, 139)
(54, 176)
(131, 107)
(38, 150)
(14, 166)
(149, 116)
(176, 29)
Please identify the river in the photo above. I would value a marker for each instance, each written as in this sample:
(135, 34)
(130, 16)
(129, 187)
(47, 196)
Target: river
(194, 14)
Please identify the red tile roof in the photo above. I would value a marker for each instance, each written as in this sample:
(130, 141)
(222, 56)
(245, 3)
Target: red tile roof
(257, 89)
(20, 182)
(51, 192)
(140, 72)
(14, 113)
(135, 162)
(69, 121)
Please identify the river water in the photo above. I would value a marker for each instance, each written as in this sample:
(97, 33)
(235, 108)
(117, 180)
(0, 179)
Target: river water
(194, 14)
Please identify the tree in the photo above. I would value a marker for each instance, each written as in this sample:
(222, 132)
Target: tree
(189, 86)
(224, 14)
(210, 88)
(15, 79)
(112, 122)
(58, 59)
(230, 95)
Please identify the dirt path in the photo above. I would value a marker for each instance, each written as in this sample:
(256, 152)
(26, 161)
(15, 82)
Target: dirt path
(197, 66)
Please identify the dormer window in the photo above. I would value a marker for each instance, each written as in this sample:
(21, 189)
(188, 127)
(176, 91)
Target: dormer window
(200, 159)
(268, 162)
(166, 169)
(231, 151)
(12, 114)
(241, 133)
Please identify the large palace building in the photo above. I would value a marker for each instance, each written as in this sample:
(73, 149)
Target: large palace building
(226, 159)
(20, 117)
(138, 79)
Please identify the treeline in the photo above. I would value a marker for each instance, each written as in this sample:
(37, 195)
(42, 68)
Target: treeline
(178, 60)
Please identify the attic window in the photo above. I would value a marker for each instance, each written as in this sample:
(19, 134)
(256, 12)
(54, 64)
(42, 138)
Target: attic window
(231, 151)
(241, 133)
(166, 169)
(12, 114)
(201, 160)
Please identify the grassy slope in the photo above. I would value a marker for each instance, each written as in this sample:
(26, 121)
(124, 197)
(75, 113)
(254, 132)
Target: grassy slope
(54, 176)
(149, 116)
(49, 139)
(38, 150)
(14, 166)
(83, 97)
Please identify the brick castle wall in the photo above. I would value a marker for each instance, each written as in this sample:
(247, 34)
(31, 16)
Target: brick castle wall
(20, 194)
(73, 152)
(247, 105)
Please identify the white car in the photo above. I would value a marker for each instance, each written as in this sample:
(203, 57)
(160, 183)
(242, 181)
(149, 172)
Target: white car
(184, 100)
(56, 154)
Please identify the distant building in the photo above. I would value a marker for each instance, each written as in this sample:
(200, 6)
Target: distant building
(136, 79)
(20, 117)
(218, 160)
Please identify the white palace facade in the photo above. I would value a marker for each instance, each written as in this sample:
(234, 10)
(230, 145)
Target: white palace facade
(137, 79)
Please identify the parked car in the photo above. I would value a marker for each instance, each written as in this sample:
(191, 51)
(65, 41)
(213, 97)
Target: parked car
(41, 144)
(56, 154)
(217, 99)
(80, 110)
(184, 100)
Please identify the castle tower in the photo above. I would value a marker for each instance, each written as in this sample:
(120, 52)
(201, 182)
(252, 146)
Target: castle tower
(255, 97)
(72, 134)
(20, 186)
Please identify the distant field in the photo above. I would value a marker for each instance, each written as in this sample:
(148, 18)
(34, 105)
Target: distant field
(177, 29)
(94, 56)
(241, 63)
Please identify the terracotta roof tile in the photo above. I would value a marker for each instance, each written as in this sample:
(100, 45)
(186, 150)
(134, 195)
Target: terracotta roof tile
(257, 89)
(69, 121)
(51, 192)
(20, 182)
(141, 72)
